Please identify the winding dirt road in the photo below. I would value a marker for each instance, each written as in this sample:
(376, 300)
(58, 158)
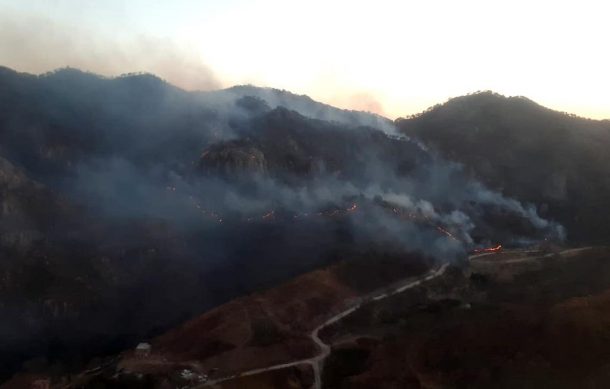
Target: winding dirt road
(317, 362)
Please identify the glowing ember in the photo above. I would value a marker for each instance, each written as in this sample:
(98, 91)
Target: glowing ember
(423, 219)
(208, 214)
(489, 249)
(403, 214)
(268, 215)
(447, 233)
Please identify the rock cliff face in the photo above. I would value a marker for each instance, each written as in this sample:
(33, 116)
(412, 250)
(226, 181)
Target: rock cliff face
(233, 159)
(287, 146)
(26, 209)
(10, 177)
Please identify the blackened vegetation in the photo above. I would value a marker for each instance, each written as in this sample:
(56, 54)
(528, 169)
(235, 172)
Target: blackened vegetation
(265, 332)
(378, 267)
(344, 362)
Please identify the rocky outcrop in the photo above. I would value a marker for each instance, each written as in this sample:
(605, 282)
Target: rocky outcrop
(10, 176)
(233, 159)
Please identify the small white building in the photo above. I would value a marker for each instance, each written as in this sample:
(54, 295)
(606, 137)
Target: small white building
(143, 350)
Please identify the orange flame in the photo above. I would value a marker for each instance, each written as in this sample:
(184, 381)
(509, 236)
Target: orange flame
(489, 249)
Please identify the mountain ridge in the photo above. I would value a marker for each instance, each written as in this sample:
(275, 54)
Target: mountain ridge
(500, 139)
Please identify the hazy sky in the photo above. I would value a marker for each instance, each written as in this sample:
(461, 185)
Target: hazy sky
(391, 57)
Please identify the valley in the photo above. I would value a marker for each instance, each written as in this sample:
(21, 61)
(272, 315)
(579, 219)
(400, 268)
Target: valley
(461, 311)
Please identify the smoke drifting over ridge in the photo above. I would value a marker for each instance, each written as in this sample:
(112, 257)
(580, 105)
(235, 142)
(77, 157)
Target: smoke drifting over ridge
(137, 147)
(239, 156)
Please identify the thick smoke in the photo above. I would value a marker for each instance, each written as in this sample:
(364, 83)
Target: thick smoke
(303, 104)
(136, 148)
(433, 208)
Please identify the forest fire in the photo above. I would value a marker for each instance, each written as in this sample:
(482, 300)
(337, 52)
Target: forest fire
(495, 249)
(418, 218)
(208, 214)
(339, 212)
(447, 233)
(268, 215)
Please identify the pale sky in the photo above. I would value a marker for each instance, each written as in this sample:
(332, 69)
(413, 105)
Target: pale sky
(392, 57)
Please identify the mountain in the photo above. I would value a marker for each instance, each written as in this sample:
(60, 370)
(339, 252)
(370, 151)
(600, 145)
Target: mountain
(130, 206)
(553, 159)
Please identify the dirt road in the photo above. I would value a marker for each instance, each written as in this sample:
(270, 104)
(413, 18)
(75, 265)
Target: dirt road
(317, 362)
